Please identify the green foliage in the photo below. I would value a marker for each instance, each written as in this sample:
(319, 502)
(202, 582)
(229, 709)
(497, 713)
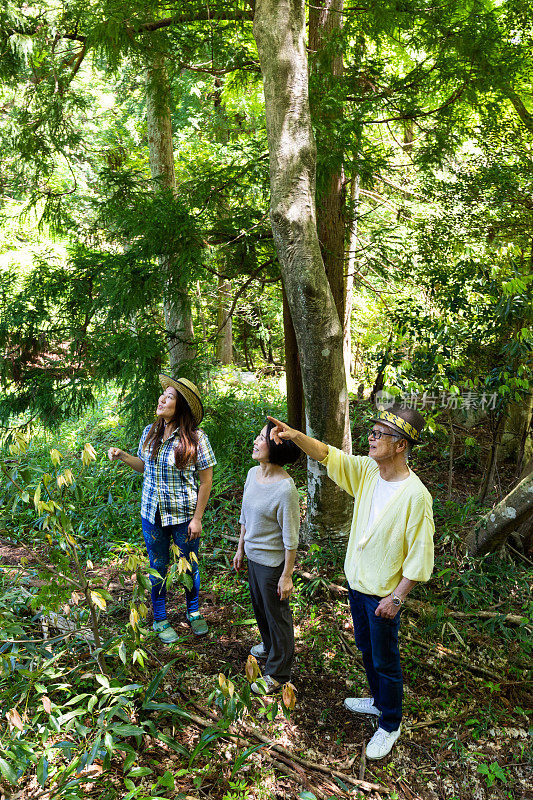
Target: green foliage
(76, 720)
(493, 772)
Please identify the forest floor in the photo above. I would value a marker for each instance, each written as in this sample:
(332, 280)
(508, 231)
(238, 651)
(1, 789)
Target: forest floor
(467, 703)
(465, 643)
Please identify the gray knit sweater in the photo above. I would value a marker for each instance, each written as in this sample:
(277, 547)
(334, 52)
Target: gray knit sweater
(271, 515)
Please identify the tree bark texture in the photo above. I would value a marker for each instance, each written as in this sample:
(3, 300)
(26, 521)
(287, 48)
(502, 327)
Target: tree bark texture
(293, 373)
(325, 24)
(494, 528)
(279, 30)
(177, 306)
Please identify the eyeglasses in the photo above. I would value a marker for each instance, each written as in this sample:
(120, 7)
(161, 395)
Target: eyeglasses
(374, 434)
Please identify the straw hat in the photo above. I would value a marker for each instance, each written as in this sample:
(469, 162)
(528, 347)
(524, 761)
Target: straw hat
(406, 421)
(188, 391)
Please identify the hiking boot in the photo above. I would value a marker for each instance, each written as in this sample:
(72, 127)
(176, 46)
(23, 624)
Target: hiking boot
(197, 623)
(265, 685)
(165, 631)
(259, 651)
(381, 743)
(361, 705)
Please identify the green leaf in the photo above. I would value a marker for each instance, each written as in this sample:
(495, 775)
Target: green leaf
(166, 780)
(171, 707)
(130, 759)
(154, 684)
(305, 795)
(122, 652)
(127, 730)
(7, 771)
(498, 772)
(186, 579)
(94, 751)
(139, 772)
(42, 771)
(241, 758)
(172, 743)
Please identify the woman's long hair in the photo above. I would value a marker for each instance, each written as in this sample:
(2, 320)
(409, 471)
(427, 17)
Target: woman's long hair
(186, 441)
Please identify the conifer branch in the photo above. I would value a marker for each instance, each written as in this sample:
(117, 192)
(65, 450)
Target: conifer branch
(415, 115)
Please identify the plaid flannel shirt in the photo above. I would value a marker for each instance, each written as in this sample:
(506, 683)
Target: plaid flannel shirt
(174, 490)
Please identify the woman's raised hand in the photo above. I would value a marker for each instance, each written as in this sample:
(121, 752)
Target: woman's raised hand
(114, 453)
(281, 432)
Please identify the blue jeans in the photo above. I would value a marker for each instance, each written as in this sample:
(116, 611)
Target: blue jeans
(157, 538)
(377, 639)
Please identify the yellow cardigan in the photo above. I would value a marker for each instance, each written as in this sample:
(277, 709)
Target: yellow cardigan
(400, 541)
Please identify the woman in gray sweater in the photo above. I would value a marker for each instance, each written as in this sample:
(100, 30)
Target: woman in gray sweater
(270, 523)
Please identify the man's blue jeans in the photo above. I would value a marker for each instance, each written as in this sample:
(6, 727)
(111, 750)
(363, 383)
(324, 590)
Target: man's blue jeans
(377, 639)
(157, 538)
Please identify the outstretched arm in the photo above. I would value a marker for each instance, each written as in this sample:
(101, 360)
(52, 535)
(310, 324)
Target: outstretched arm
(116, 454)
(312, 447)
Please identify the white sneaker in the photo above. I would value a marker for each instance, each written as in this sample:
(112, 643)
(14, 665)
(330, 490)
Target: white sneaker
(381, 743)
(259, 651)
(361, 705)
(265, 685)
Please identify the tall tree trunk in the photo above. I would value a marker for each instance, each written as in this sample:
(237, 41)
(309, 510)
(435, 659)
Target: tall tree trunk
(225, 328)
(351, 260)
(279, 30)
(325, 26)
(293, 373)
(177, 306)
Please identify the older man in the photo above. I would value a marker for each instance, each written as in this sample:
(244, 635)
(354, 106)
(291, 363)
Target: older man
(390, 550)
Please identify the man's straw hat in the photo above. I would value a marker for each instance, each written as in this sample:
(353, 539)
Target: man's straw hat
(188, 391)
(407, 422)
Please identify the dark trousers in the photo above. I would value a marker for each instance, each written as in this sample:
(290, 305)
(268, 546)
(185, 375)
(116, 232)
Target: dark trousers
(274, 619)
(157, 538)
(377, 639)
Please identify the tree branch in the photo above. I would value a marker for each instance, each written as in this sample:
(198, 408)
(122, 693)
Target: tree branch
(412, 115)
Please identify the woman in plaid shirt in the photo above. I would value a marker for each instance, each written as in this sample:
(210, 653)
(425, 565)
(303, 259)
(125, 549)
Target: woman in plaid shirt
(173, 453)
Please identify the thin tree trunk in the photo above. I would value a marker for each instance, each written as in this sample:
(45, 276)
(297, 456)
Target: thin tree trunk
(490, 469)
(279, 30)
(293, 373)
(451, 454)
(224, 324)
(247, 358)
(177, 306)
